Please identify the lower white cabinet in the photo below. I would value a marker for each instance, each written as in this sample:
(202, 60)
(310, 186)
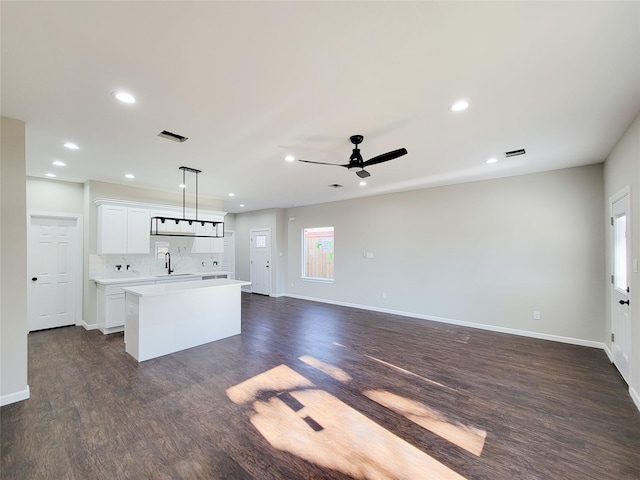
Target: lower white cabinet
(110, 305)
(114, 311)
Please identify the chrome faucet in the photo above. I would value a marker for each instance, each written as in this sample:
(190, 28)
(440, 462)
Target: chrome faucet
(167, 263)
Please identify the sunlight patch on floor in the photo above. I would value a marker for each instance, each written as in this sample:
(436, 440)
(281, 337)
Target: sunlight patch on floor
(334, 372)
(279, 379)
(318, 427)
(432, 382)
(470, 438)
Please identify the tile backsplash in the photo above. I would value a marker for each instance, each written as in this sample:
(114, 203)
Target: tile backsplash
(153, 263)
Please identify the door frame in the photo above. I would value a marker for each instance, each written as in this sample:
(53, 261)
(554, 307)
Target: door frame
(251, 233)
(624, 192)
(77, 258)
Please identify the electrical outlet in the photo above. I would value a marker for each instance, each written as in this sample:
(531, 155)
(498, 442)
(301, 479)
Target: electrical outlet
(536, 315)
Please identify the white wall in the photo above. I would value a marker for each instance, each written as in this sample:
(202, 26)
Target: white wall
(622, 168)
(13, 263)
(488, 253)
(54, 196)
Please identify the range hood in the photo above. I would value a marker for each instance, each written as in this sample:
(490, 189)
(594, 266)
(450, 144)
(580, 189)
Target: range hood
(187, 227)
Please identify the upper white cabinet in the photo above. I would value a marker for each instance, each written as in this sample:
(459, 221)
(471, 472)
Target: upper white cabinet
(123, 229)
(138, 225)
(204, 244)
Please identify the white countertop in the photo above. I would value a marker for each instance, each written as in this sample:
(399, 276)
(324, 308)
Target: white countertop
(151, 278)
(169, 288)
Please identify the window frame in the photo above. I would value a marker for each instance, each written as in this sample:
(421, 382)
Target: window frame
(303, 248)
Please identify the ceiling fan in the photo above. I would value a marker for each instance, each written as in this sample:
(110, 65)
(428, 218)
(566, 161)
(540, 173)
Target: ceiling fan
(357, 163)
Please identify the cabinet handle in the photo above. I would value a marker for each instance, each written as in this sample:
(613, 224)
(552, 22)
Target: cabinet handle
(622, 302)
(34, 279)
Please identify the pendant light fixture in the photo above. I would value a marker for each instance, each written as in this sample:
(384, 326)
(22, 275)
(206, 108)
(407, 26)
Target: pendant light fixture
(187, 227)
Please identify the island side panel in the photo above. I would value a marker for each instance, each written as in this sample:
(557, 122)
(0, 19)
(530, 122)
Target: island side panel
(184, 319)
(131, 325)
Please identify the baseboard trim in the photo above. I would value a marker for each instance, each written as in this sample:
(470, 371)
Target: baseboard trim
(608, 351)
(15, 397)
(461, 323)
(90, 327)
(635, 397)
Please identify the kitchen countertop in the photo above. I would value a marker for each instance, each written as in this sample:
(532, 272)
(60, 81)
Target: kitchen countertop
(151, 278)
(168, 288)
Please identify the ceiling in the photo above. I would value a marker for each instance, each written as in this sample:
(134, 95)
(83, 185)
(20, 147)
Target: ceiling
(251, 82)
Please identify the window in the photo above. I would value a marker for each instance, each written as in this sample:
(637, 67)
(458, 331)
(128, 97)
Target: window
(317, 253)
(161, 248)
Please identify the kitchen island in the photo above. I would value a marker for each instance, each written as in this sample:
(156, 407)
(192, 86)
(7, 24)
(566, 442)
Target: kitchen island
(166, 318)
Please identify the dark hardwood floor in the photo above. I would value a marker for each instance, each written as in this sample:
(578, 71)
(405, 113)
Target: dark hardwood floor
(314, 391)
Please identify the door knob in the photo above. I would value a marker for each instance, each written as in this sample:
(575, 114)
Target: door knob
(34, 279)
(622, 302)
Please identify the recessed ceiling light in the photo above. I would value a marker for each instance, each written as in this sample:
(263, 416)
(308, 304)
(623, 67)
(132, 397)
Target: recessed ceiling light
(363, 183)
(459, 106)
(242, 205)
(492, 160)
(129, 175)
(71, 146)
(232, 194)
(290, 158)
(124, 97)
(51, 175)
(59, 163)
(182, 185)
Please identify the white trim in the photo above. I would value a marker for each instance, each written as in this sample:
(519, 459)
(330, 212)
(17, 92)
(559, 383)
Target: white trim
(86, 326)
(608, 351)
(78, 258)
(462, 323)
(15, 397)
(278, 295)
(635, 397)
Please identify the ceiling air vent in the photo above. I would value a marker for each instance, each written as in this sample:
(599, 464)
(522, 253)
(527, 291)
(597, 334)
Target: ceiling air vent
(335, 185)
(172, 136)
(514, 153)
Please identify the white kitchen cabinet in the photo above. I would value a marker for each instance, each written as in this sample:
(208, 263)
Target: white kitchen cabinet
(112, 229)
(207, 244)
(114, 311)
(138, 227)
(123, 229)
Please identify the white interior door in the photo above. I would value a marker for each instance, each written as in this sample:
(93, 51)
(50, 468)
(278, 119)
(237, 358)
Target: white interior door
(620, 262)
(261, 261)
(55, 275)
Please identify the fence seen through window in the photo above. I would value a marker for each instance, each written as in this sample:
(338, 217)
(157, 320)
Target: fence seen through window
(318, 250)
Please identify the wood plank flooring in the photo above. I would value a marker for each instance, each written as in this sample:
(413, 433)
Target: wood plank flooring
(315, 391)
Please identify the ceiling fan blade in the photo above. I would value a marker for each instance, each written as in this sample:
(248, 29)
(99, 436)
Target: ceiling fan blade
(385, 157)
(322, 163)
(363, 173)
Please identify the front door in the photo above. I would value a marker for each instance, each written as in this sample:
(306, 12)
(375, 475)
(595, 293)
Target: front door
(261, 261)
(620, 261)
(54, 270)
